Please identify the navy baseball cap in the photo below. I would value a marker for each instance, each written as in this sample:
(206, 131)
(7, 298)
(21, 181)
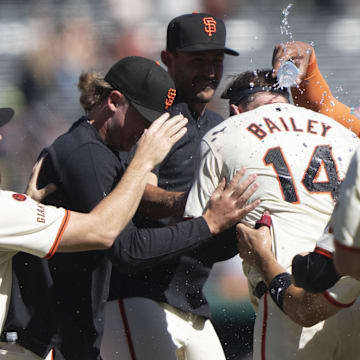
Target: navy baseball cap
(6, 115)
(146, 85)
(197, 32)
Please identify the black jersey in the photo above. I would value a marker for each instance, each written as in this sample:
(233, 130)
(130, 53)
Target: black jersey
(179, 282)
(60, 303)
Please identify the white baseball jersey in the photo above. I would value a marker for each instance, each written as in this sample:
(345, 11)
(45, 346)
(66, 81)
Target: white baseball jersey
(346, 217)
(300, 158)
(28, 226)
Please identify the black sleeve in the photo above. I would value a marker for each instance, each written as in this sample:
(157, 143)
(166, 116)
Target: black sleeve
(139, 248)
(220, 247)
(314, 272)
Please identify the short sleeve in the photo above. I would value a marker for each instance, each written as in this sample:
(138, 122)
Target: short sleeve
(346, 217)
(30, 226)
(206, 181)
(344, 292)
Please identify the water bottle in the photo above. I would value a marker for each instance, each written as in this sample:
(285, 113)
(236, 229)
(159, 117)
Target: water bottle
(11, 337)
(287, 74)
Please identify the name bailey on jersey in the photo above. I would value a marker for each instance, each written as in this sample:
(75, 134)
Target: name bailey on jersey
(282, 124)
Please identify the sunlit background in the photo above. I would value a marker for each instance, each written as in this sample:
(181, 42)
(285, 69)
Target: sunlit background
(44, 46)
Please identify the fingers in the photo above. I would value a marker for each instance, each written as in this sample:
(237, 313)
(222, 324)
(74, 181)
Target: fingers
(173, 128)
(219, 189)
(158, 123)
(47, 190)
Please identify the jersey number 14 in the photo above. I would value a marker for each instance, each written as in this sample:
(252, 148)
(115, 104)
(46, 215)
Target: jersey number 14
(322, 157)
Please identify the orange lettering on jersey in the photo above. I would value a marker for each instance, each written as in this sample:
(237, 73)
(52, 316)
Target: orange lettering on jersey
(294, 126)
(271, 126)
(284, 124)
(210, 25)
(310, 126)
(170, 98)
(257, 131)
(325, 129)
(40, 212)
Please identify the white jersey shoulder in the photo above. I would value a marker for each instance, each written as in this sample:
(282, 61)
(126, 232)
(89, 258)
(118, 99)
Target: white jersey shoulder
(26, 225)
(346, 216)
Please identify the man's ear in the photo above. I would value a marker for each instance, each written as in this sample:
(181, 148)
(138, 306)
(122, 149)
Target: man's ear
(235, 110)
(166, 57)
(115, 99)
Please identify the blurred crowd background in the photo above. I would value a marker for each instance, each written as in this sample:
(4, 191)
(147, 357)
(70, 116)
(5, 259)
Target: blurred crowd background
(45, 44)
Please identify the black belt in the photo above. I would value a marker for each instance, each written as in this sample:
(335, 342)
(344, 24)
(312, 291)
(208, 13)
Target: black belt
(260, 289)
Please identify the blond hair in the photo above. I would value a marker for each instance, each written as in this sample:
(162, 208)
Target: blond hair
(94, 89)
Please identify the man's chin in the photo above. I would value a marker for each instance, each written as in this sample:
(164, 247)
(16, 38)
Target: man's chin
(205, 96)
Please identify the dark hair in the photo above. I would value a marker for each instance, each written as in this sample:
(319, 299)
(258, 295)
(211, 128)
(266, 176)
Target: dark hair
(246, 84)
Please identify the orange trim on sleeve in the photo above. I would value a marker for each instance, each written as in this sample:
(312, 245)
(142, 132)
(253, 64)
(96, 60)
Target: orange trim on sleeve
(314, 93)
(334, 302)
(324, 252)
(347, 248)
(59, 235)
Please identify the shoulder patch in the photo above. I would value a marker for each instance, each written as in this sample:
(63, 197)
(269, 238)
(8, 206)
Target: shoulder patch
(19, 197)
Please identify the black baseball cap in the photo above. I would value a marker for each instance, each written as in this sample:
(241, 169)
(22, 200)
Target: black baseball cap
(197, 32)
(6, 115)
(147, 86)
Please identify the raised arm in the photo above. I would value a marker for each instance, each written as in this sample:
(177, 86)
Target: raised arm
(99, 228)
(313, 91)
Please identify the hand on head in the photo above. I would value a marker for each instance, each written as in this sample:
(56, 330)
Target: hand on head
(158, 139)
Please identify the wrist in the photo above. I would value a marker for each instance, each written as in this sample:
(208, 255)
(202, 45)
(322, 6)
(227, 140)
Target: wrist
(213, 227)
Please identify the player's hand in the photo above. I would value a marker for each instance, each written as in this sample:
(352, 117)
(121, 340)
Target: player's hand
(158, 139)
(31, 188)
(297, 51)
(228, 204)
(254, 244)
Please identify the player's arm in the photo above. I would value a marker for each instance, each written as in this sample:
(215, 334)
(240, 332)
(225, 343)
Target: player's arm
(137, 248)
(313, 91)
(99, 228)
(158, 203)
(305, 308)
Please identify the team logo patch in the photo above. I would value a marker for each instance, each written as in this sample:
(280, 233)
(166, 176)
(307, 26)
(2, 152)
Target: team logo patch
(170, 98)
(19, 197)
(210, 25)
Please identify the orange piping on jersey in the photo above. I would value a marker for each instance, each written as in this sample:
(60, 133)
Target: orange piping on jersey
(127, 329)
(264, 328)
(324, 252)
(347, 248)
(59, 235)
(314, 93)
(334, 302)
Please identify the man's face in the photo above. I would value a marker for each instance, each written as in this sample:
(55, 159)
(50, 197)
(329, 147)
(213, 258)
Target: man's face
(196, 74)
(126, 127)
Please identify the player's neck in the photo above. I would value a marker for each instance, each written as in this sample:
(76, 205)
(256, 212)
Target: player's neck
(197, 109)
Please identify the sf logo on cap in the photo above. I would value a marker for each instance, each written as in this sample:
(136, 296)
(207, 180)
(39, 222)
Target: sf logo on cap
(170, 98)
(210, 25)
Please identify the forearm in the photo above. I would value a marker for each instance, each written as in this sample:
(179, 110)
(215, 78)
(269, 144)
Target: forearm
(303, 308)
(314, 93)
(117, 209)
(137, 248)
(158, 203)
